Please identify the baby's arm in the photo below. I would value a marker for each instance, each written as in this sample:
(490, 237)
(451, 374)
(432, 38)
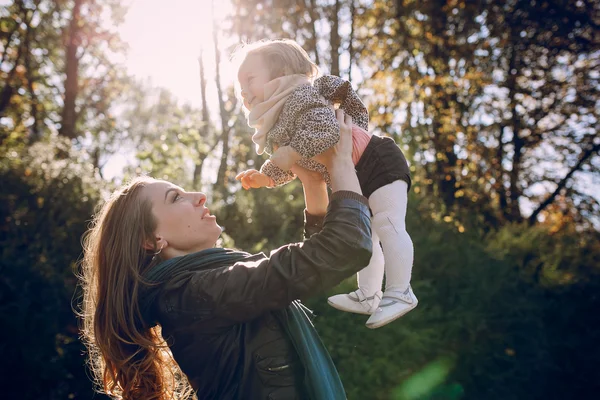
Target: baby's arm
(270, 175)
(276, 174)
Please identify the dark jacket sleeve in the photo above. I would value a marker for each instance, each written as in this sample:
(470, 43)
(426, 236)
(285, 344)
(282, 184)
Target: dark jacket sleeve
(245, 290)
(312, 224)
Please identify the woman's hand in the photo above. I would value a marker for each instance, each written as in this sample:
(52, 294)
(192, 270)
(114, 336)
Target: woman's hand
(338, 159)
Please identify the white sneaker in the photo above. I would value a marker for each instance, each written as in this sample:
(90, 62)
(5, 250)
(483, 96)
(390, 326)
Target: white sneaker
(393, 305)
(356, 302)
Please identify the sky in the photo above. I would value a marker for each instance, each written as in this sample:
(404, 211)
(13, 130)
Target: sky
(165, 39)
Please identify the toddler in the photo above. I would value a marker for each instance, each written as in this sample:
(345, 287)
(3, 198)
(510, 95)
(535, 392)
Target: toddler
(294, 121)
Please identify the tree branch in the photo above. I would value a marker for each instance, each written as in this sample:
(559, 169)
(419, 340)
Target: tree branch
(584, 157)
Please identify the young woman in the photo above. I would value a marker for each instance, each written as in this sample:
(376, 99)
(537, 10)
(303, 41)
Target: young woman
(164, 310)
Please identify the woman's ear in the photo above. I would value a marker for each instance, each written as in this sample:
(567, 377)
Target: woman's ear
(159, 242)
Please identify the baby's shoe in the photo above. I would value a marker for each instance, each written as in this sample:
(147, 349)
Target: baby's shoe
(356, 302)
(393, 305)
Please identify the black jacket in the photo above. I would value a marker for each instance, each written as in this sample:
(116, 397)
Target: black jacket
(218, 322)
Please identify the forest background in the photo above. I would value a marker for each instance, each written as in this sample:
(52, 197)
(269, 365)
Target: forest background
(494, 102)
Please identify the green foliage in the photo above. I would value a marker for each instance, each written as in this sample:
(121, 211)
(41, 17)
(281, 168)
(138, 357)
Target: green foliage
(550, 256)
(490, 101)
(483, 328)
(47, 195)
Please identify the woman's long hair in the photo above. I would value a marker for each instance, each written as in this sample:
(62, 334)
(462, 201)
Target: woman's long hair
(129, 359)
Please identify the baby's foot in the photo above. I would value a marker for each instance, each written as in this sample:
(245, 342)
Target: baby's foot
(393, 305)
(356, 302)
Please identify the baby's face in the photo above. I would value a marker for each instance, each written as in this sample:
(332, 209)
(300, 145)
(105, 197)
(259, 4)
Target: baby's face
(252, 76)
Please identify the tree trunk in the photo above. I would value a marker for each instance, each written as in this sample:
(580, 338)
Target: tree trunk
(513, 213)
(7, 90)
(69, 116)
(205, 123)
(312, 12)
(445, 162)
(335, 39)
(35, 126)
(351, 40)
(221, 182)
(441, 102)
(500, 189)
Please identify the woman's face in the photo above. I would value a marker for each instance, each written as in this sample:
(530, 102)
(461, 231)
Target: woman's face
(184, 224)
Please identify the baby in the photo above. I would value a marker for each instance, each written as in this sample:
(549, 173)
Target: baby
(293, 118)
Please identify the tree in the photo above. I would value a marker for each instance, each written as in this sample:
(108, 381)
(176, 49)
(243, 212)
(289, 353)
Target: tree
(73, 40)
(224, 114)
(63, 70)
(477, 91)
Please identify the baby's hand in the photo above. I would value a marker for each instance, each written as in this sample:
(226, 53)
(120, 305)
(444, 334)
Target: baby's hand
(285, 157)
(254, 179)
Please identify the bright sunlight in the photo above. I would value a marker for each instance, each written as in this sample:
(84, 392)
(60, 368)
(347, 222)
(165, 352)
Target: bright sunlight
(165, 40)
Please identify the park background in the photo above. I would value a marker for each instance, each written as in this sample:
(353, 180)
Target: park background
(494, 102)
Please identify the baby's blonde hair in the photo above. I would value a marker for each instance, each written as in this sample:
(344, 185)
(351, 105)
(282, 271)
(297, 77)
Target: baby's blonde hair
(283, 56)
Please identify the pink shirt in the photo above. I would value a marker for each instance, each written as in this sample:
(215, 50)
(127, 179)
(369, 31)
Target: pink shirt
(360, 140)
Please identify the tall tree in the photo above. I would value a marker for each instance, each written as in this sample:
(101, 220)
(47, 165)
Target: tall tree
(73, 43)
(224, 113)
(202, 146)
(334, 38)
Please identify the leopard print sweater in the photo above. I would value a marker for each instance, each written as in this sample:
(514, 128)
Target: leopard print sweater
(309, 126)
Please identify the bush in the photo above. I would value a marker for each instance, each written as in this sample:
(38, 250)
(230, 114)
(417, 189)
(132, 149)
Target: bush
(47, 193)
(484, 329)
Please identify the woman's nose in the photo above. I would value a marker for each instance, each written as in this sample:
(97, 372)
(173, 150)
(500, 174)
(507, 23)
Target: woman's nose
(244, 93)
(199, 199)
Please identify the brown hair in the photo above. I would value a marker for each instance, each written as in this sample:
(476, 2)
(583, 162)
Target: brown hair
(129, 359)
(283, 56)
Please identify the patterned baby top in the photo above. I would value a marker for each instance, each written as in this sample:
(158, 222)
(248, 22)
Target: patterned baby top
(309, 126)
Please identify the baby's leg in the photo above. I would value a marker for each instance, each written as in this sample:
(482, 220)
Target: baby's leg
(388, 205)
(370, 278)
(366, 299)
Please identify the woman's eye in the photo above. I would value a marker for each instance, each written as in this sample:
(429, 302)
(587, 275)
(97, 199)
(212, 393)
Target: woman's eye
(177, 197)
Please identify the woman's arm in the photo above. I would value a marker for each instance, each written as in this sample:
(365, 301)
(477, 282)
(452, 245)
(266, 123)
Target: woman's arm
(316, 199)
(245, 290)
(315, 188)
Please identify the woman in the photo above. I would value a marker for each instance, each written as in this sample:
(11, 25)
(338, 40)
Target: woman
(230, 322)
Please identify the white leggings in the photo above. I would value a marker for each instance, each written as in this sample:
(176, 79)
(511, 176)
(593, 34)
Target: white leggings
(388, 205)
